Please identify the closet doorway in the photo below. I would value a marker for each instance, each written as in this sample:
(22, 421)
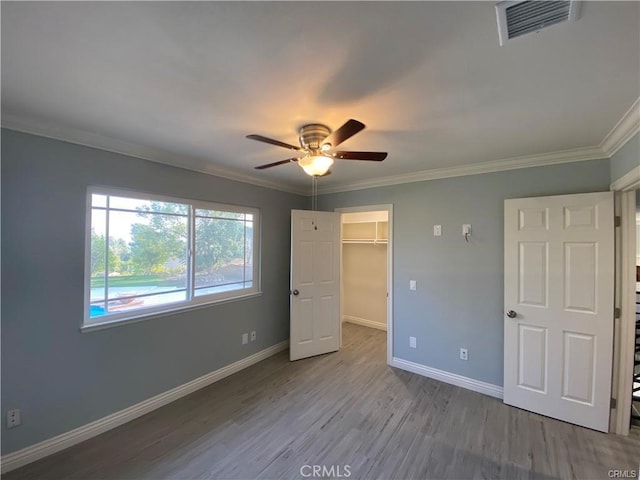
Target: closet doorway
(366, 271)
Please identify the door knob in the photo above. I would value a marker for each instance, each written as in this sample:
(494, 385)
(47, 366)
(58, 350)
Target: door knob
(512, 314)
(295, 292)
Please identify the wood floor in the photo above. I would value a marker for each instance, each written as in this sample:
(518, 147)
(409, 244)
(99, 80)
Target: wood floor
(347, 409)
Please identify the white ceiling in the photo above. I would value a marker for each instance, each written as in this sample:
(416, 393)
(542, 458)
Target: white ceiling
(183, 83)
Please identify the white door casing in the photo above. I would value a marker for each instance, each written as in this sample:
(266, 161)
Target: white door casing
(559, 279)
(315, 283)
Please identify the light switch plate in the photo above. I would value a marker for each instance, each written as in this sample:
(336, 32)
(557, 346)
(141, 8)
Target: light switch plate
(437, 230)
(412, 285)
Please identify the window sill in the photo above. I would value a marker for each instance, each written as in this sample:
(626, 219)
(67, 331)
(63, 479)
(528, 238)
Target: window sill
(143, 317)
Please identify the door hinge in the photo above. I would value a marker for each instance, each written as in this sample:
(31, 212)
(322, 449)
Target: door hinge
(614, 403)
(617, 313)
(617, 220)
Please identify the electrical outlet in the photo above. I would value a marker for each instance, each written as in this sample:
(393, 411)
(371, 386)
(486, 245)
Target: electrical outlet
(412, 285)
(245, 338)
(253, 335)
(437, 230)
(464, 354)
(13, 418)
(412, 342)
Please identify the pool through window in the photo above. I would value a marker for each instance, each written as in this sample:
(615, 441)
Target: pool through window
(150, 254)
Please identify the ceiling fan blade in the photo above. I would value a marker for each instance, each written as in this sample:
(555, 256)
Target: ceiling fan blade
(278, 143)
(275, 164)
(348, 130)
(369, 156)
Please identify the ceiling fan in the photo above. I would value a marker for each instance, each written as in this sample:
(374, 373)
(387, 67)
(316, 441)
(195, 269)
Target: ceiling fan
(317, 142)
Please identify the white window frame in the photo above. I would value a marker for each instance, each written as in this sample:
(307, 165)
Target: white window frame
(192, 301)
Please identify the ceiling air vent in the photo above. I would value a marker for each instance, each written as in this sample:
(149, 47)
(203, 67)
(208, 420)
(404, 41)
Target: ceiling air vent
(519, 18)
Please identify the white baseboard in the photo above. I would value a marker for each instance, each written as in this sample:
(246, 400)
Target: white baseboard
(17, 459)
(364, 322)
(452, 378)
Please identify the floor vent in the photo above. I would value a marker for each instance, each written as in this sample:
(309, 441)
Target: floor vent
(516, 18)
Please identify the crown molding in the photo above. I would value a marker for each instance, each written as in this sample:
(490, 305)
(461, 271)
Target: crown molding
(620, 134)
(528, 161)
(101, 142)
(627, 182)
(623, 131)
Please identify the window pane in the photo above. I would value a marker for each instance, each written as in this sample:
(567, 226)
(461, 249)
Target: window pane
(221, 288)
(98, 200)
(153, 243)
(123, 203)
(148, 253)
(137, 285)
(248, 251)
(127, 303)
(98, 255)
(219, 214)
(140, 254)
(219, 256)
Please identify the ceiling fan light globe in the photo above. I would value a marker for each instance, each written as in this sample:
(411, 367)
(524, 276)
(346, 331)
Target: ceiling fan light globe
(316, 165)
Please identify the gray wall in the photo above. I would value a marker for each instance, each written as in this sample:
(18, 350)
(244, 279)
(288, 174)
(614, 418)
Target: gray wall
(61, 378)
(459, 297)
(626, 159)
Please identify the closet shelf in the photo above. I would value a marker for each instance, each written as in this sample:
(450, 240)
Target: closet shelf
(379, 241)
(375, 232)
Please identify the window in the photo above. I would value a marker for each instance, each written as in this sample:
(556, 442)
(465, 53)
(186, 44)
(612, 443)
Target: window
(148, 254)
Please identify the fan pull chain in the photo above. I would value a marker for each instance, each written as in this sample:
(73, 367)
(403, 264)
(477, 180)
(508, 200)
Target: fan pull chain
(314, 194)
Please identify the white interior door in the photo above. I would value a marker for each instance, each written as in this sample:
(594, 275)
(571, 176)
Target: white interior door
(315, 283)
(558, 287)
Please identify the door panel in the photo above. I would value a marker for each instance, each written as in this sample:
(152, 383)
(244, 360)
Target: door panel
(326, 330)
(326, 271)
(533, 219)
(581, 276)
(315, 283)
(305, 263)
(304, 326)
(532, 358)
(581, 217)
(579, 354)
(559, 280)
(533, 279)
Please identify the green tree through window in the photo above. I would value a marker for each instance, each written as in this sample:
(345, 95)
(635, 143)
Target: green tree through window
(148, 263)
